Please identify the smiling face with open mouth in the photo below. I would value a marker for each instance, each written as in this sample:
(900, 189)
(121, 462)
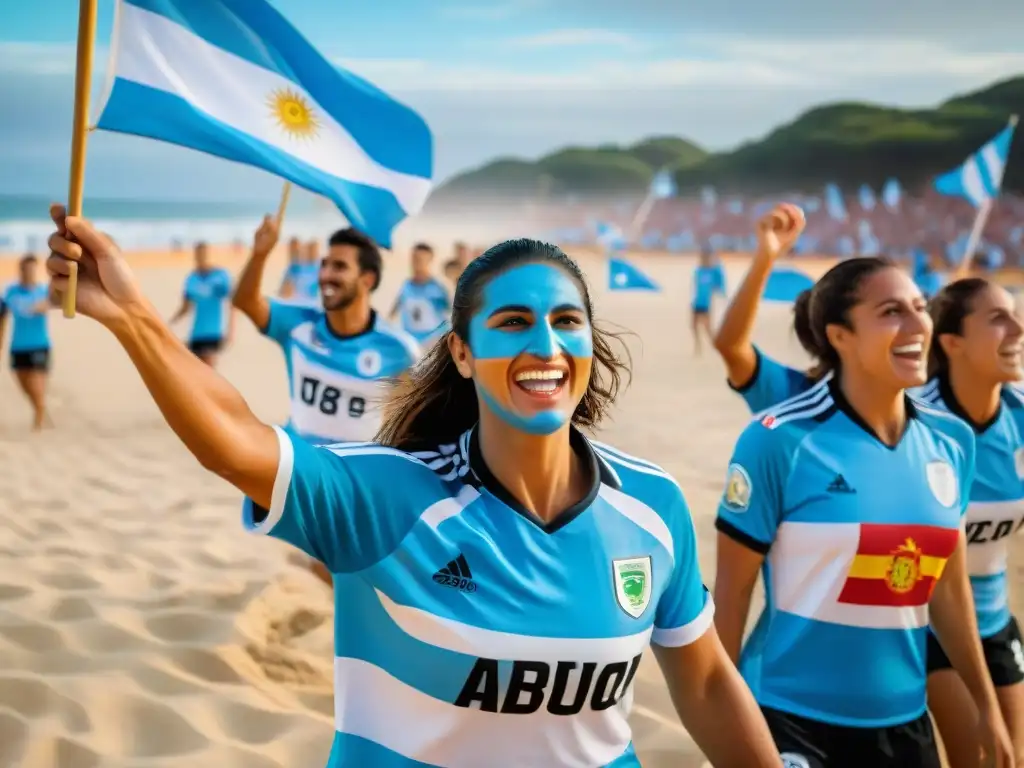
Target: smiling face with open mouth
(532, 347)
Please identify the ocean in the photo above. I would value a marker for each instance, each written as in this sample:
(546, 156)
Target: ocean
(147, 224)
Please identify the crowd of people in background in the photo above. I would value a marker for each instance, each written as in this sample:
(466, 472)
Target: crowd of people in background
(929, 223)
(335, 288)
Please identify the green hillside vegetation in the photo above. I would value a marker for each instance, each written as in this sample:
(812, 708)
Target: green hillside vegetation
(846, 143)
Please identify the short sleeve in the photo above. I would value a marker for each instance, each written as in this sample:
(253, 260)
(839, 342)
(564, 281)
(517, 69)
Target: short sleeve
(753, 501)
(284, 316)
(347, 506)
(770, 384)
(685, 610)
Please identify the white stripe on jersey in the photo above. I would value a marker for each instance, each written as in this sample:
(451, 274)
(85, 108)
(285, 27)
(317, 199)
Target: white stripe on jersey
(441, 510)
(806, 406)
(988, 558)
(399, 335)
(404, 720)
(641, 515)
(457, 637)
(282, 481)
(676, 637)
(637, 465)
(810, 394)
(809, 563)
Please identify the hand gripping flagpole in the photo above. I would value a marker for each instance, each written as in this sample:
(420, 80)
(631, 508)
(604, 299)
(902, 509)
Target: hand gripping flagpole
(80, 131)
(980, 220)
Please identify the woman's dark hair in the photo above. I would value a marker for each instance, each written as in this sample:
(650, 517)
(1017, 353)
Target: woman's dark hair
(829, 303)
(434, 402)
(948, 309)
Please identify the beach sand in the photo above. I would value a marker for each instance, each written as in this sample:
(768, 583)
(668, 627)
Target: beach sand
(140, 626)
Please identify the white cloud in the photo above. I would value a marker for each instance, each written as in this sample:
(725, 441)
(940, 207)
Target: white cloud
(560, 38)
(728, 63)
(870, 57)
(44, 58)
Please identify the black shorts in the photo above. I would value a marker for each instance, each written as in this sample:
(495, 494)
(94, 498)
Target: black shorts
(1003, 654)
(200, 347)
(31, 360)
(806, 743)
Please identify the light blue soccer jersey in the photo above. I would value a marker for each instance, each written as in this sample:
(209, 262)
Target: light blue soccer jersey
(305, 279)
(707, 281)
(771, 383)
(337, 384)
(996, 508)
(30, 331)
(209, 293)
(855, 535)
(468, 633)
(423, 307)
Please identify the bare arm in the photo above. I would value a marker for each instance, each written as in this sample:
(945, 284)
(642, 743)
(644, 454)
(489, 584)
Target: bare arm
(777, 233)
(715, 704)
(248, 296)
(736, 575)
(204, 410)
(955, 624)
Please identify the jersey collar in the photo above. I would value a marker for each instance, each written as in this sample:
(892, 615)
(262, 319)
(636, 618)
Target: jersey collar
(843, 405)
(339, 337)
(601, 473)
(949, 398)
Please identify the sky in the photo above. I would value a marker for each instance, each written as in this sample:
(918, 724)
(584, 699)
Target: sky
(523, 77)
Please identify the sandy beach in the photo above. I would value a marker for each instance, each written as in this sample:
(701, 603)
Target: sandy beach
(140, 626)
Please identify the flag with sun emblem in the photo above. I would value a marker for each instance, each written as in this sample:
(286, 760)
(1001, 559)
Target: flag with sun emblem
(234, 79)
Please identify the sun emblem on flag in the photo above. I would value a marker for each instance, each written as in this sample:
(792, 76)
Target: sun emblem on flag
(293, 113)
(904, 571)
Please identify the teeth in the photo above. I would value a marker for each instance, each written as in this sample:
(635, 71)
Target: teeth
(547, 375)
(909, 349)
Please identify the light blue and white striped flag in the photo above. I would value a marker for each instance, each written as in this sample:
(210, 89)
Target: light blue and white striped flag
(234, 79)
(866, 196)
(834, 202)
(981, 175)
(892, 194)
(663, 185)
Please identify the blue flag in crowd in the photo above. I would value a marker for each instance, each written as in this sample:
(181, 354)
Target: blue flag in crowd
(981, 175)
(623, 276)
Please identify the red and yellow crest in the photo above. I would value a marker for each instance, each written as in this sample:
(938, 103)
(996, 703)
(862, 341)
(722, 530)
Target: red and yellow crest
(904, 569)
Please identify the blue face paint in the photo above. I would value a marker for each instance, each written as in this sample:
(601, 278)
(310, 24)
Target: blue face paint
(537, 291)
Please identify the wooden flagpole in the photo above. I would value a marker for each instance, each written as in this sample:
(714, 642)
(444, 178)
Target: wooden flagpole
(80, 130)
(286, 192)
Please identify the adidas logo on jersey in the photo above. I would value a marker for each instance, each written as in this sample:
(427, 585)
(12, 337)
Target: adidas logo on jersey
(839, 485)
(456, 575)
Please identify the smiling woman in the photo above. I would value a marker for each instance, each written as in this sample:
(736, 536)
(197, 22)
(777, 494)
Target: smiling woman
(851, 497)
(497, 574)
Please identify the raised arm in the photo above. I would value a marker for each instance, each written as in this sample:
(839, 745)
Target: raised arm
(204, 410)
(776, 234)
(248, 296)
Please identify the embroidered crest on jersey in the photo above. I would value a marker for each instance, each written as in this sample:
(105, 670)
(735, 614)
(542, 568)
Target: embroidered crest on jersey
(793, 760)
(737, 488)
(1018, 462)
(942, 481)
(632, 577)
(897, 565)
(369, 362)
